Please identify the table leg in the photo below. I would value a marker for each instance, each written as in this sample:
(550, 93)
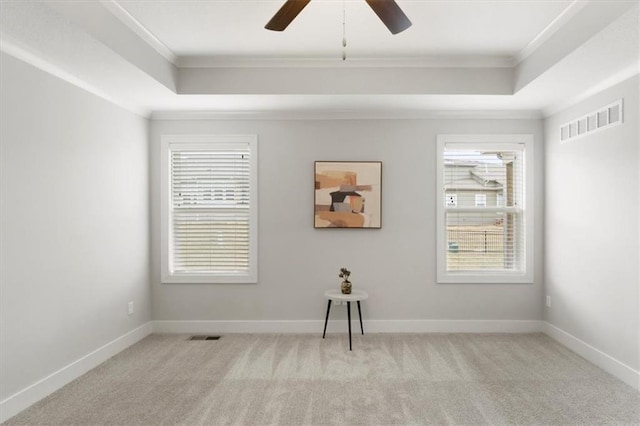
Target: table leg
(326, 319)
(360, 315)
(349, 321)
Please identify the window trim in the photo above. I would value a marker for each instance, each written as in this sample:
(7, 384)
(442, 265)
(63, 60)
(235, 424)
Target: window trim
(191, 141)
(501, 141)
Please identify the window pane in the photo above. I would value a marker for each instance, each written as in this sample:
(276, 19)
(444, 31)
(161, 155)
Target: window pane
(484, 242)
(481, 235)
(210, 178)
(209, 225)
(210, 199)
(495, 175)
(214, 242)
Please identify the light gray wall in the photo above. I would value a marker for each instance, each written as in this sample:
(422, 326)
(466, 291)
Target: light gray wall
(591, 227)
(74, 222)
(297, 263)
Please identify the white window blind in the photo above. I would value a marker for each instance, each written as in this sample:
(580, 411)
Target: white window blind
(485, 236)
(211, 211)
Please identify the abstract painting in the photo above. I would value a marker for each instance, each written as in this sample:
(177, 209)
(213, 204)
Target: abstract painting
(348, 194)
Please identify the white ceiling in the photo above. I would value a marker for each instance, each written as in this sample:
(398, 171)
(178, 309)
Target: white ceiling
(236, 28)
(460, 58)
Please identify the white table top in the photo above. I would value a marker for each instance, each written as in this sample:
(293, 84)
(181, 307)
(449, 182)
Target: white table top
(336, 294)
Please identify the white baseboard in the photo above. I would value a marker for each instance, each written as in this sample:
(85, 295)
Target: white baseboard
(371, 326)
(32, 394)
(455, 326)
(594, 355)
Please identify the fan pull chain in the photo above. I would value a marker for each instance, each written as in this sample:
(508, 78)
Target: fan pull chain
(344, 31)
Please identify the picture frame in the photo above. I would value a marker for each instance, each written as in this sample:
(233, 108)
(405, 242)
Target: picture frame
(348, 194)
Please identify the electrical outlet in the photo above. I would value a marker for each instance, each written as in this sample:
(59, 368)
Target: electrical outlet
(130, 306)
(548, 301)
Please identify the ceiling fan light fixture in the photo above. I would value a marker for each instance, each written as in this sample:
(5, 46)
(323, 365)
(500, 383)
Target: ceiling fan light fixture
(387, 10)
(390, 14)
(286, 14)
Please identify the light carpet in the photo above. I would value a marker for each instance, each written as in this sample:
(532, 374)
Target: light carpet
(388, 379)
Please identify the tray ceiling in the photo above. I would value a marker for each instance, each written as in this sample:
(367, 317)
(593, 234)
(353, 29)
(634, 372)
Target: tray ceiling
(472, 58)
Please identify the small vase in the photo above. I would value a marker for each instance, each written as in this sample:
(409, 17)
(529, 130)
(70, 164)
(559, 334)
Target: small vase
(346, 287)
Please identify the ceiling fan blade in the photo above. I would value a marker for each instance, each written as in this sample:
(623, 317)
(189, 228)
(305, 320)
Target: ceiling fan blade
(286, 14)
(390, 14)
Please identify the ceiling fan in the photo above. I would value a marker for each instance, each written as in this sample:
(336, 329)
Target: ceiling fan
(387, 10)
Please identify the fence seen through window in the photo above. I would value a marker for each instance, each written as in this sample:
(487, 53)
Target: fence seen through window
(483, 225)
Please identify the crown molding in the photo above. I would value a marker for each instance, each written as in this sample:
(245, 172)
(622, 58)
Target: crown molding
(350, 115)
(429, 61)
(13, 48)
(561, 20)
(134, 25)
(619, 77)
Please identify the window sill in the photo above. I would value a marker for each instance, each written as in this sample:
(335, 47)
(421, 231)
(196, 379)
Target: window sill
(467, 278)
(207, 279)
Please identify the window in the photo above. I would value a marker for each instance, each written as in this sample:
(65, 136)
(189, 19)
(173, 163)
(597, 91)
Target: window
(209, 209)
(487, 236)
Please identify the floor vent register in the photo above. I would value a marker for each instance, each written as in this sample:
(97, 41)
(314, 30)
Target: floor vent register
(204, 338)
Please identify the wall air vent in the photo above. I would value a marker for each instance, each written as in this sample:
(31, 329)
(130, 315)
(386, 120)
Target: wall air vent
(603, 118)
(204, 338)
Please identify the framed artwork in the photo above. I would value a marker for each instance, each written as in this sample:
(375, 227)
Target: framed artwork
(348, 194)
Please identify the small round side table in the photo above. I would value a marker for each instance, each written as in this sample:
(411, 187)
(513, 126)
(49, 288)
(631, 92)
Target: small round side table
(355, 296)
